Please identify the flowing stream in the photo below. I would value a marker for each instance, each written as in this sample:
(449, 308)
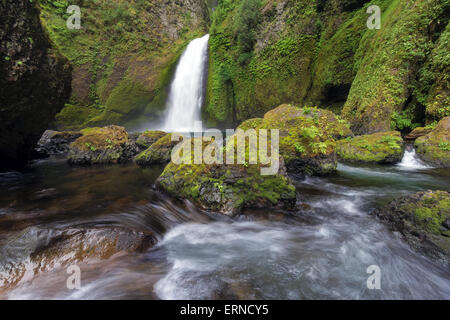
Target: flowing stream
(320, 251)
(187, 89)
(411, 161)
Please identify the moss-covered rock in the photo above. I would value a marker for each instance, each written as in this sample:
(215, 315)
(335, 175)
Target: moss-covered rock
(424, 220)
(227, 188)
(100, 146)
(434, 148)
(307, 137)
(34, 81)
(381, 147)
(158, 153)
(147, 138)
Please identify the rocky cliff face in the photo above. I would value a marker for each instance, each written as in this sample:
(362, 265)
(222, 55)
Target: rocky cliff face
(34, 81)
(124, 56)
(268, 52)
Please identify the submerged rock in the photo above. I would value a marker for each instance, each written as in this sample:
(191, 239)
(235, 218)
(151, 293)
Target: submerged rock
(423, 219)
(147, 138)
(158, 153)
(101, 146)
(434, 148)
(381, 147)
(39, 250)
(34, 81)
(228, 188)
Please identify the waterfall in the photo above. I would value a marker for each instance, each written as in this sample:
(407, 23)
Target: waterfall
(411, 161)
(187, 88)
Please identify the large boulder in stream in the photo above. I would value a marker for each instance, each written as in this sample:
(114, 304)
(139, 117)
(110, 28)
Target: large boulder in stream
(102, 146)
(434, 147)
(381, 147)
(37, 250)
(307, 137)
(227, 188)
(34, 81)
(424, 221)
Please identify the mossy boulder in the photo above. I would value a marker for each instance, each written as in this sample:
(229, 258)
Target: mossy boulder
(228, 188)
(100, 146)
(434, 148)
(158, 153)
(424, 220)
(381, 147)
(307, 137)
(250, 124)
(123, 57)
(147, 138)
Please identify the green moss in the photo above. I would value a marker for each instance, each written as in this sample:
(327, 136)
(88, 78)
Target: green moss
(382, 147)
(72, 116)
(158, 153)
(430, 211)
(226, 188)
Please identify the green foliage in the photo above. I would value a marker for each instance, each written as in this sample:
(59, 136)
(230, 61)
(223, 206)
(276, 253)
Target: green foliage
(403, 121)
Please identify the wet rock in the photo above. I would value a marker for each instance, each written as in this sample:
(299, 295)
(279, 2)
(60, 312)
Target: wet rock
(307, 137)
(423, 220)
(56, 143)
(102, 146)
(417, 133)
(39, 250)
(34, 82)
(381, 147)
(158, 153)
(147, 138)
(434, 147)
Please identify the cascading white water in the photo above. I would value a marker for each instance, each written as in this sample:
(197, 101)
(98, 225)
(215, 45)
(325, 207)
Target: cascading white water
(187, 88)
(411, 161)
